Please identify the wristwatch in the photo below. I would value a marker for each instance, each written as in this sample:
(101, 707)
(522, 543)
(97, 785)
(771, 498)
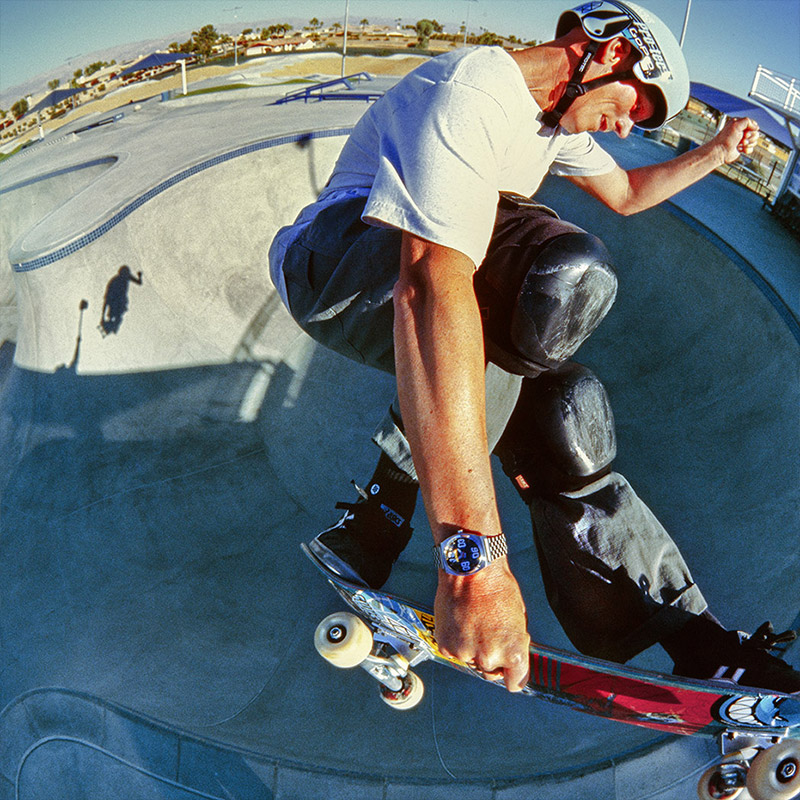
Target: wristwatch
(468, 552)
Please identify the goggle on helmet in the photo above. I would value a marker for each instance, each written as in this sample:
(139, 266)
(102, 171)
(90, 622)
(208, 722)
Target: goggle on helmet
(661, 63)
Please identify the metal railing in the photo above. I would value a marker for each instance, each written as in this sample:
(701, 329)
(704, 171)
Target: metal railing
(319, 91)
(776, 90)
(760, 172)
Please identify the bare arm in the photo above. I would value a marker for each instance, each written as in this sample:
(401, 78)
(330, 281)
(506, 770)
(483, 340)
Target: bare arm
(441, 385)
(631, 191)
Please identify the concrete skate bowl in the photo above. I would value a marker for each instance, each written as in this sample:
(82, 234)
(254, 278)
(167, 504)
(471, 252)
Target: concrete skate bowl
(159, 471)
(26, 203)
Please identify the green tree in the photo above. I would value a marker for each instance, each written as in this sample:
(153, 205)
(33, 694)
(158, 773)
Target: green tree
(489, 38)
(364, 22)
(276, 30)
(20, 108)
(96, 67)
(203, 41)
(424, 29)
(53, 84)
(314, 23)
(174, 47)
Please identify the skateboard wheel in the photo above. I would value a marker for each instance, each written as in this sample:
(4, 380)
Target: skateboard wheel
(343, 639)
(775, 772)
(408, 696)
(722, 782)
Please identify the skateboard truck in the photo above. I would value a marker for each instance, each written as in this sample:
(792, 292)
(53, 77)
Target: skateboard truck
(346, 641)
(768, 765)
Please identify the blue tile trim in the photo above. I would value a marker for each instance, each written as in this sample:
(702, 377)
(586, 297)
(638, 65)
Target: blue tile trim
(98, 162)
(93, 236)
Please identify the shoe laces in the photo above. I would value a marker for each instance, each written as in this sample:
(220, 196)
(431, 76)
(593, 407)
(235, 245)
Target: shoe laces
(766, 639)
(368, 504)
(363, 497)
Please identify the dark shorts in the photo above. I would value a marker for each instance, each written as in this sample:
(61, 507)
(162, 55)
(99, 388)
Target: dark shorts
(340, 274)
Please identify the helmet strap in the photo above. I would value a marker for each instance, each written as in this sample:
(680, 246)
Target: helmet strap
(574, 90)
(574, 87)
(604, 80)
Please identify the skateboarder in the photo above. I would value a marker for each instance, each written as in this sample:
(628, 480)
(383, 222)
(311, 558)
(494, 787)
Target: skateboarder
(424, 256)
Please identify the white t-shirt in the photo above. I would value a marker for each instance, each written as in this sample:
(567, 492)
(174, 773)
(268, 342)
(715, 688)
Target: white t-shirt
(434, 152)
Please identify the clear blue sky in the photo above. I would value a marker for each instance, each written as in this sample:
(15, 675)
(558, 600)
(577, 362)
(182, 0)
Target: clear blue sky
(725, 42)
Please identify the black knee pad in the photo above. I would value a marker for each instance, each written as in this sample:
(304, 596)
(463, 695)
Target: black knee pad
(561, 436)
(543, 288)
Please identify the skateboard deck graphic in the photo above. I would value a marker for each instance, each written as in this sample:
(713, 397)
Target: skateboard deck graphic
(758, 729)
(662, 702)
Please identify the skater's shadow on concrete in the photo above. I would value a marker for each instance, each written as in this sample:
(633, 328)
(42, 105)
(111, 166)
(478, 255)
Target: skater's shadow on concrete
(115, 302)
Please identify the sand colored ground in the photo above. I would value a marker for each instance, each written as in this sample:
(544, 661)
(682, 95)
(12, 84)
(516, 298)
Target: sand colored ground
(301, 66)
(330, 64)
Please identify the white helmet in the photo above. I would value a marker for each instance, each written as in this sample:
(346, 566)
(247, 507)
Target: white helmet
(661, 63)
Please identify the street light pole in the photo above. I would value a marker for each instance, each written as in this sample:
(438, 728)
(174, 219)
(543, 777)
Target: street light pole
(344, 41)
(685, 22)
(236, 34)
(466, 23)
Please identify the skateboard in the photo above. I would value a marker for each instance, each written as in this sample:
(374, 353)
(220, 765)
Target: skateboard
(758, 730)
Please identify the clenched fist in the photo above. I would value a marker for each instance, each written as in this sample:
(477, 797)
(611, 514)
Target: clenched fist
(481, 620)
(738, 136)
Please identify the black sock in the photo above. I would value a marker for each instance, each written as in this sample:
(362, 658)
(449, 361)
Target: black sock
(700, 633)
(397, 489)
(387, 470)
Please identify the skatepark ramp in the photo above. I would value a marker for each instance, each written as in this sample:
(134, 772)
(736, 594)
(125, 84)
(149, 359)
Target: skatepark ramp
(168, 438)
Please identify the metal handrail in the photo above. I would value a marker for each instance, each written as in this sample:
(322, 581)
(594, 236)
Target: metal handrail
(318, 89)
(777, 90)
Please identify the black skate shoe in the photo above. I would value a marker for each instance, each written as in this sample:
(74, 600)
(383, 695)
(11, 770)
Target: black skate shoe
(735, 657)
(363, 546)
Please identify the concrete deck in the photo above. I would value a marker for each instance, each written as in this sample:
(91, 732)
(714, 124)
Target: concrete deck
(159, 466)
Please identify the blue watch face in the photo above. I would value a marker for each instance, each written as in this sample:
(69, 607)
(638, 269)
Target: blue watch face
(463, 555)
